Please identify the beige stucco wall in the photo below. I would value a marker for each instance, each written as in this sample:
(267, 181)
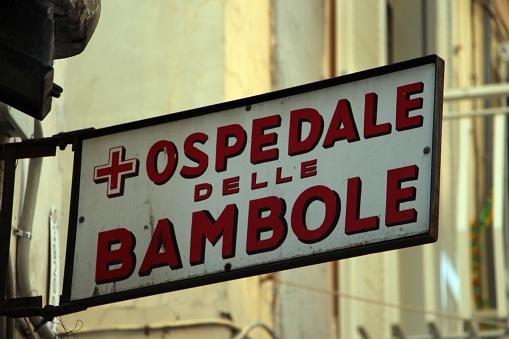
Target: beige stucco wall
(152, 58)
(148, 59)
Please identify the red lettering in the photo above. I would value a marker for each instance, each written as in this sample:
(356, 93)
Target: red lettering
(371, 129)
(163, 249)
(265, 215)
(202, 191)
(279, 177)
(308, 168)
(343, 116)
(160, 178)
(108, 257)
(205, 227)
(255, 184)
(353, 222)
(196, 155)
(396, 195)
(297, 145)
(404, 105)
(231, 185)
(224, 150)
(260, 140)
(330, 220)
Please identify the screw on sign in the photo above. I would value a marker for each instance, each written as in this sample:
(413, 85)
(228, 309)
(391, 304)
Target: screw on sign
(341, 127)
(267, 223)
(274, 182)
(205, 227)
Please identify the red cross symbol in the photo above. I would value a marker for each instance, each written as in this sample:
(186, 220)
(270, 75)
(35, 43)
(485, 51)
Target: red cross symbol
(116, 171)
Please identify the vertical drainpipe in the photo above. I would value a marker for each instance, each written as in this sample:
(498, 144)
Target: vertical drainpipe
(334, 300)
(27, 220)
(333, 266)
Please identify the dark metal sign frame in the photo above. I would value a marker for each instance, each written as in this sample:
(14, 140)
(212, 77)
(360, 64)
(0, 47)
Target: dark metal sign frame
(10, 153)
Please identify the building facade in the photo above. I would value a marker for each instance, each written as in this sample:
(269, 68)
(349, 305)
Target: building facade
(156, 57)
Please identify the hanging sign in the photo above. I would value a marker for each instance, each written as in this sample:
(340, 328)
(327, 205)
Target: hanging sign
(323, 171)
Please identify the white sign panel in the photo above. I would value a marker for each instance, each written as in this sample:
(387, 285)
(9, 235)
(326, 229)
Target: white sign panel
(319, 172)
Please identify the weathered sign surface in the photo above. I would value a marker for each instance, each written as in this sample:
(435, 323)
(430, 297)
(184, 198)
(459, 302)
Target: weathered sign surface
(324, 171)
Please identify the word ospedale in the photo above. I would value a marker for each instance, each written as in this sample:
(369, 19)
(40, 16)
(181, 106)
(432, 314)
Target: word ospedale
(269, 219)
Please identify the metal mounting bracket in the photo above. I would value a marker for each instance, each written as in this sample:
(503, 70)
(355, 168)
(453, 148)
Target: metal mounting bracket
(10, 153)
